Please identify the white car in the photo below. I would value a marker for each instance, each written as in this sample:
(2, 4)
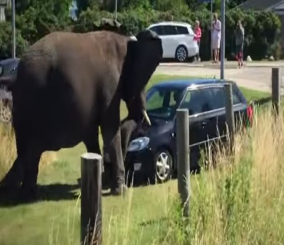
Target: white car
(177, 40)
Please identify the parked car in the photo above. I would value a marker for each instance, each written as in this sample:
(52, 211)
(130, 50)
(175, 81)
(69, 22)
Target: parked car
(152, 153)
(8, 66)
(177, 40)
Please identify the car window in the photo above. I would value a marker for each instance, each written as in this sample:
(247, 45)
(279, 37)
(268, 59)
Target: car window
(162, 102)
(157, 29)
(9, 68)
(182, 30)
(169, 30)
(196, 101)
(203, 100)
(156, 100)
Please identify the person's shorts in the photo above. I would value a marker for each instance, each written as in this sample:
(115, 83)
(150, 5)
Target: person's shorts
(216, 43)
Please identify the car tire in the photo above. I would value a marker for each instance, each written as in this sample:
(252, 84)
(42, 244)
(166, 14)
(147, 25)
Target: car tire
(163, 166)
(181, 53)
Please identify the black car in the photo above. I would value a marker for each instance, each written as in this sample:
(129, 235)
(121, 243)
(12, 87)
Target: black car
(8, 66)
(152, 152)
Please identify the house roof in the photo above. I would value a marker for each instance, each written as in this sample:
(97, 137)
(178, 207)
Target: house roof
(261, 4)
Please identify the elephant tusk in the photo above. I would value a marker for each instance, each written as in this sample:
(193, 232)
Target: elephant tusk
(146, 117)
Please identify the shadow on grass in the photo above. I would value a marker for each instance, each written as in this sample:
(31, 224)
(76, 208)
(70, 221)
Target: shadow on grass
(51, 192)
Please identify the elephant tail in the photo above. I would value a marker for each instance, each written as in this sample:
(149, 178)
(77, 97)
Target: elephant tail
(7, 82)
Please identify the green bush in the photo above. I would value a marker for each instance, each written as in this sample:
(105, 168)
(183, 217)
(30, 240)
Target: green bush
(6, 41)
(262, 29)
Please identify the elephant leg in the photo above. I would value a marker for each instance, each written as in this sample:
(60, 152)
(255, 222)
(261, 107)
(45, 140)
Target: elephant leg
(112, 143)
(31, 161)
(14, 177)
(92, 144)
(91, 141)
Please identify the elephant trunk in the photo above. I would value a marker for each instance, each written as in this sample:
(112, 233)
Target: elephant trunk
(128, 126)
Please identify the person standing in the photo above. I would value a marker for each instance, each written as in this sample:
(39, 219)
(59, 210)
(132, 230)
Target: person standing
(240, 39)
(197, 37)
(216, 37)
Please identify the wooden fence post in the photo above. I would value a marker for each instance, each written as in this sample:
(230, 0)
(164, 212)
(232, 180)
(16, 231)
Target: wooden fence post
(230, 115)
(276, 83)
(183, 159)
(91, 199)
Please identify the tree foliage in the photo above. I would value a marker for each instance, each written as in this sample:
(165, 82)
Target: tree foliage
(36, 18)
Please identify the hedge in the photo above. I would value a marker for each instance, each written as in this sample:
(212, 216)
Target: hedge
(262, 29)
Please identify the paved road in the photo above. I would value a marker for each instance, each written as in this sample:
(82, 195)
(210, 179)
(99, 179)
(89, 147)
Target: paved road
(255, 75)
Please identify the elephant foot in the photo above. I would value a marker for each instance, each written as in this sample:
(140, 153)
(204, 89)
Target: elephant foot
(29, 193)
(106, 183)
(9, 187)
(9, 192)
(118, 191)
(106, 177)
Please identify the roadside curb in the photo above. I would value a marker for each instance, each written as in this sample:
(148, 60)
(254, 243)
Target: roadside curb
(228, 66)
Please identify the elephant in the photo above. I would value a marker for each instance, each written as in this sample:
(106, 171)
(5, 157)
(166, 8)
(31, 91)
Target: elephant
(70, 84)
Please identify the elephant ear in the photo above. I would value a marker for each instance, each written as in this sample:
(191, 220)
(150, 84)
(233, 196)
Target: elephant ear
(141, 60)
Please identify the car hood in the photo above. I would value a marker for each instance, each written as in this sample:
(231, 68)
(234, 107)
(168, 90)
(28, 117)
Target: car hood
(158, 127)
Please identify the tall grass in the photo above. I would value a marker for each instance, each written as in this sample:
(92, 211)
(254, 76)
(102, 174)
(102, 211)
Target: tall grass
(8, 151)
(242, 201)
(239, 202)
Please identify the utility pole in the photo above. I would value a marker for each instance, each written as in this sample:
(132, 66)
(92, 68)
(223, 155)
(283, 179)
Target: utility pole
(223, 9)
(13, 29)
(115, 9)
(211, 51)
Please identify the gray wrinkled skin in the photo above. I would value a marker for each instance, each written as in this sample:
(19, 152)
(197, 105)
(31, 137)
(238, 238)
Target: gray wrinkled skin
(70, 84)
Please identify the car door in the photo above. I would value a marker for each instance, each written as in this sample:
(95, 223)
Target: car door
(218, 100)
(169, 39)
(195, 101)
(184, 36)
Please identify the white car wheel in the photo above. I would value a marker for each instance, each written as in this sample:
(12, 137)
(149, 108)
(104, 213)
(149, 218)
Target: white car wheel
(181, 54)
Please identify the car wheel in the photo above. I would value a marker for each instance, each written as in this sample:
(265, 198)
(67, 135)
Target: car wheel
(163, 166)
(181, 53)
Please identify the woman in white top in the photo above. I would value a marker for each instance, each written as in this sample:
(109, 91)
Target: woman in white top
(216, 37)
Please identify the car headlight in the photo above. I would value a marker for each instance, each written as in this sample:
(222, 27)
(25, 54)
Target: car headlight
(138, 144)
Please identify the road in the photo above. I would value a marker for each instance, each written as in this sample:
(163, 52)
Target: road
(254, 75)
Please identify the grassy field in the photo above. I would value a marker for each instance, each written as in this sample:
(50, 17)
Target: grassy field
(239, 203)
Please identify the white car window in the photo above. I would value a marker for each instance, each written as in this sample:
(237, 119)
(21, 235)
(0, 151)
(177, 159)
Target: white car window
(169, 30)
(182, 30)
(157, 29)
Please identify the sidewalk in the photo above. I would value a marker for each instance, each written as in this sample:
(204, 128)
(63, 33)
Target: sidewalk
(256, 78)
(228, 64)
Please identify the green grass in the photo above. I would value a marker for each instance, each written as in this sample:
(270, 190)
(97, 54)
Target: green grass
(140, 218)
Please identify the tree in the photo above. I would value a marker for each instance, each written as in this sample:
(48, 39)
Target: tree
(36, 18)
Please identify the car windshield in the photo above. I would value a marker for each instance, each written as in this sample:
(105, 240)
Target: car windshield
(162, 102)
